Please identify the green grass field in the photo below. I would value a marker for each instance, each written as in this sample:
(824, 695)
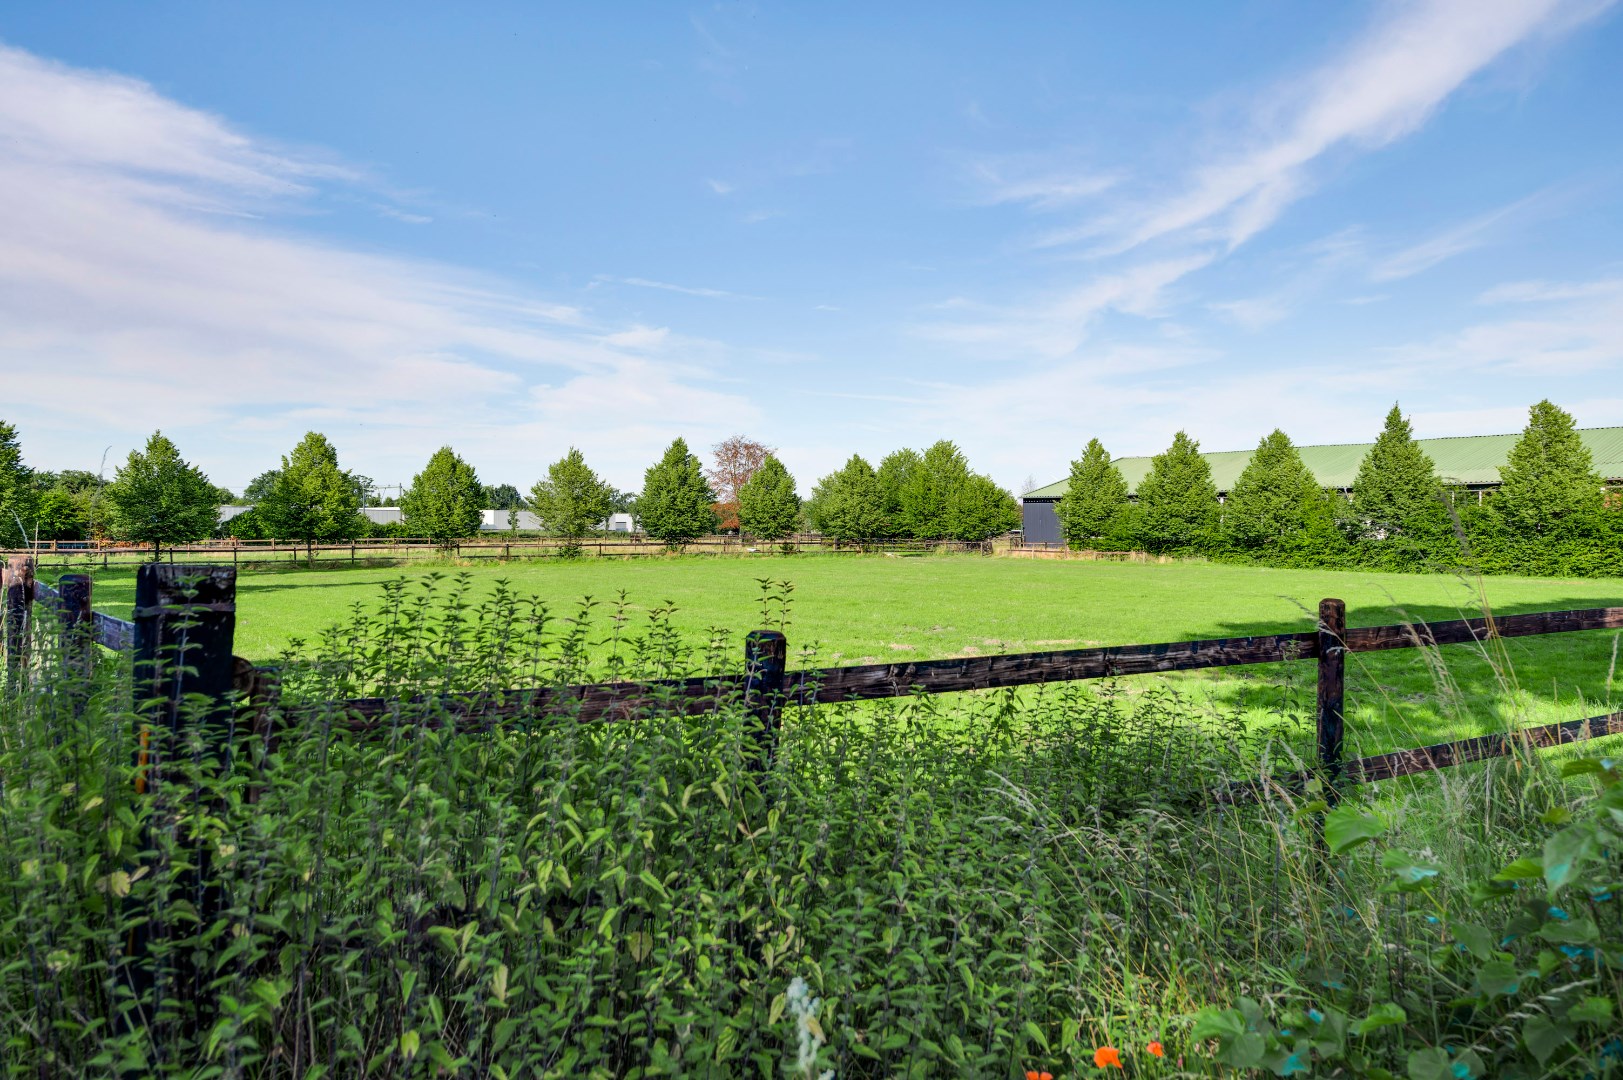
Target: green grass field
(873, 609)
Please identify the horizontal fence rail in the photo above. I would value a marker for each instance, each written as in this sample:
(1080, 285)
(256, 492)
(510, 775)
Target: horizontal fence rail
(1423, 759)
(595, 702)
(112, 633)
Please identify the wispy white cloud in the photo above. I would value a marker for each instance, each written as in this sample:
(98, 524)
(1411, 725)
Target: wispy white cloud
(1039, 184)
(1574, 328)
(138, 252)
(1458, 239)
(1384, 87)
(687, 290)
(720, 187)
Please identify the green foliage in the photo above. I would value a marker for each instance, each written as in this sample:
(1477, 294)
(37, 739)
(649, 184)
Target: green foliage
(941, 499)
(676, 505)
(572, 501)
(927, 495)
(260, 487)
(503, 497)
(17, 493)
(1498, 979)
(60, 514)
(849, 504)
(443, 502)
(895, 474)
(1548, 485)
(1396, 494)
(156, 498)
(1276, 502)
(768, 507)
(1177, 501)
(558, 898)
(311, 499)
(1095, 498)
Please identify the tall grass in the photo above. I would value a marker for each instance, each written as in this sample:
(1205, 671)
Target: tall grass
(968, 885)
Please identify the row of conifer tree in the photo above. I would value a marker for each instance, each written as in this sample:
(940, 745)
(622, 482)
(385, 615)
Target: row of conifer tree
(1551, 512)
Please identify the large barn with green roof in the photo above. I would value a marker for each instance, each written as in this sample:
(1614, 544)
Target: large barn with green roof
(1468, 462)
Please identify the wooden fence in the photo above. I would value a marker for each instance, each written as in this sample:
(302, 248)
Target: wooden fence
(202, 600)
(70, 554)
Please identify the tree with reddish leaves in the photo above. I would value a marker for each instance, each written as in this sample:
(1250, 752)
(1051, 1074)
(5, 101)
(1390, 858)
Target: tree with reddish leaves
(737, 457)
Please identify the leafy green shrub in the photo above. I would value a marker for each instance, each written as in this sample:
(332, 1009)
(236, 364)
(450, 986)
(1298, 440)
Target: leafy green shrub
(1517, 974)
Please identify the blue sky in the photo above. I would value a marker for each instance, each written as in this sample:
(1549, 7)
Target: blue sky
(515, 228)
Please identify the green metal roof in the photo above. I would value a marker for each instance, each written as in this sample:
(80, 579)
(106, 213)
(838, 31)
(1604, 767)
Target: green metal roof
(1464, 459)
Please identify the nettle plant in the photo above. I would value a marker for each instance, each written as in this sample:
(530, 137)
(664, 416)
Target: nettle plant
(1519, 973)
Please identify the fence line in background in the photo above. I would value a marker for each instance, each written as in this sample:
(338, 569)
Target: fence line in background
(249, 553)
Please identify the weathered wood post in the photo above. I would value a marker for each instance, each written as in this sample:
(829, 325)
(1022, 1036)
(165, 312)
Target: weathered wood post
(78, 629)
(1332, 688)
(766, 658)
(185, 619)
(19, 599)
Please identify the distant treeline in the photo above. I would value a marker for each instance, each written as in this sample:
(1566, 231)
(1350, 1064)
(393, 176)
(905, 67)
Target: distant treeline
(158, 498)
(1551, 514)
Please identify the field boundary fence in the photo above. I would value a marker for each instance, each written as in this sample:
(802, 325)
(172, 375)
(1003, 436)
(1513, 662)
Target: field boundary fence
(71, 554)
(199, 602)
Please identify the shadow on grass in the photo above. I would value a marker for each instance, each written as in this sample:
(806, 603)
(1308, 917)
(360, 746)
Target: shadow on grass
(1407, 697)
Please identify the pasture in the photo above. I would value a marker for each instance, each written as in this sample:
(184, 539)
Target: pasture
(868, 609)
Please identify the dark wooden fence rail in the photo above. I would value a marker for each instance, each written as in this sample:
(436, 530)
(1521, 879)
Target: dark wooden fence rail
(766, 687)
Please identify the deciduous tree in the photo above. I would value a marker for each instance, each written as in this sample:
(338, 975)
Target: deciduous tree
(676, 504)
(895, 472)
(768, 507)
(848, 504)
(312, 499)
(737, 457)
(1094, 498)
(572, 500)
(443, 502)
(157, 498)
(17, 493)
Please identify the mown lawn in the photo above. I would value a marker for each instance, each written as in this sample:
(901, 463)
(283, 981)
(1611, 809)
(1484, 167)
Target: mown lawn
(868, 609)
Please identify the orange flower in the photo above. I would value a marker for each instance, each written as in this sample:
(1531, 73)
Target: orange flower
(1107, 1055)
(1156, 1050)
(1033, 1074)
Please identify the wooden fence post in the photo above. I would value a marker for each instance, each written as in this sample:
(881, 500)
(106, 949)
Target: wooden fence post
(78, 626)
(1332, 688)
(766, 656)
(19, 600)
(185, 618)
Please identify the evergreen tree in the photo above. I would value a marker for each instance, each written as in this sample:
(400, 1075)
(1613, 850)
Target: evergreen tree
(156, 498)
(17, 494)
(444, 500)
(1177, 501)
(849, 504)
(1396, 492)
(572, 501)
(311, 499)
(1548, 485)
(894, 474)
(676, 504)
(1094, 498)
(768, 507)
(1275, 499)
